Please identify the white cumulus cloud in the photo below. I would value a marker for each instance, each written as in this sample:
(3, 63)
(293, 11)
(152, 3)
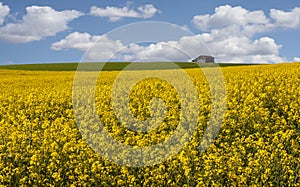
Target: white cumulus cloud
(227, 16)
(39, 22)
(116, 14)
(243, 50)
(286, 19)
(230, 33)
(248, 21)
(99, 47)
(229, 36)
(75, 40)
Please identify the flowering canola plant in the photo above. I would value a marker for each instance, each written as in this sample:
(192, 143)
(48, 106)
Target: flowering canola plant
(258, 143)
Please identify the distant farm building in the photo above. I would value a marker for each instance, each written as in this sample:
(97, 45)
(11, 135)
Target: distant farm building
(204, 59)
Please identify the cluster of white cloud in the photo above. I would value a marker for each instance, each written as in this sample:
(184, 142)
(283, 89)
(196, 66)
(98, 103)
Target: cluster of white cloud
(229, 35)
(250, 22)
(242, 49)
(226, 16)
(286, 19)
(39, 22)
(116, 14)
(101, 48)
(43, 21)
(229, 32)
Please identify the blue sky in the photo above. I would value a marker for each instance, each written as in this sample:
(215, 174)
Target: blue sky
(62, 31)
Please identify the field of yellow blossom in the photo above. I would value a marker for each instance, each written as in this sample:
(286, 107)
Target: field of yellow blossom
(258, 143)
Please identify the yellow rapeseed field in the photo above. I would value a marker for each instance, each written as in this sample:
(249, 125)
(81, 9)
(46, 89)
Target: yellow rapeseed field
(258, 143)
